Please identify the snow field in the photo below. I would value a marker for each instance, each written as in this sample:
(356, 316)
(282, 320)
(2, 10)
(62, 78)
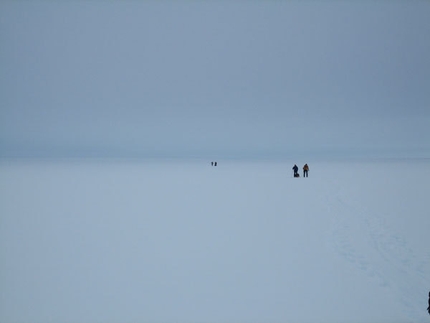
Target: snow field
(241, 242)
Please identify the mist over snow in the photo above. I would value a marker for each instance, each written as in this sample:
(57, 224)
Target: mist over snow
(200, 79)
(118, 241)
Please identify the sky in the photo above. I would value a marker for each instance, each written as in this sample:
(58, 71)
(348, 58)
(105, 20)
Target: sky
(214, 78)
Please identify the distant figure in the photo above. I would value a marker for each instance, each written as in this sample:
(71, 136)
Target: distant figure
(215, 163)
(296, 169)
(212, 163)
(305, 170)
(428, 308)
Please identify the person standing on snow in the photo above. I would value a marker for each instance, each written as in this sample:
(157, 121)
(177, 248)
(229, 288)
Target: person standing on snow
(305, 170)
(428, 308)
(295, 169)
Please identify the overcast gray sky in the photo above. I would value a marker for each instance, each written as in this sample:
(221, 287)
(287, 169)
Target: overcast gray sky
(214, 78)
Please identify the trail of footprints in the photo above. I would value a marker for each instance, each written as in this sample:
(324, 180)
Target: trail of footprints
(364, 239)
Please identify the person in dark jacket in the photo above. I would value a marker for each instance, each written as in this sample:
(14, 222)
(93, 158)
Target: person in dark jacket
(295, 169)
(428, 308)
(305, 170)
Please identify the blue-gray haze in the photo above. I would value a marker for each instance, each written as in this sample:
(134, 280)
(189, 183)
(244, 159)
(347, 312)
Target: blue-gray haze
(214, 79)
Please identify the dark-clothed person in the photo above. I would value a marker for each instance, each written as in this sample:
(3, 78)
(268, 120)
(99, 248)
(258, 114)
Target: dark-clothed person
(428, 308)
(305, 170)
(296, 170)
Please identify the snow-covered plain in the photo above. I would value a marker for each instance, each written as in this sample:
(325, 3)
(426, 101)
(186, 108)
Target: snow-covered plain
(139, 241)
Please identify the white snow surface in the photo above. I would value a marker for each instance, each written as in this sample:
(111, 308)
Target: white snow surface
(139, 241)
